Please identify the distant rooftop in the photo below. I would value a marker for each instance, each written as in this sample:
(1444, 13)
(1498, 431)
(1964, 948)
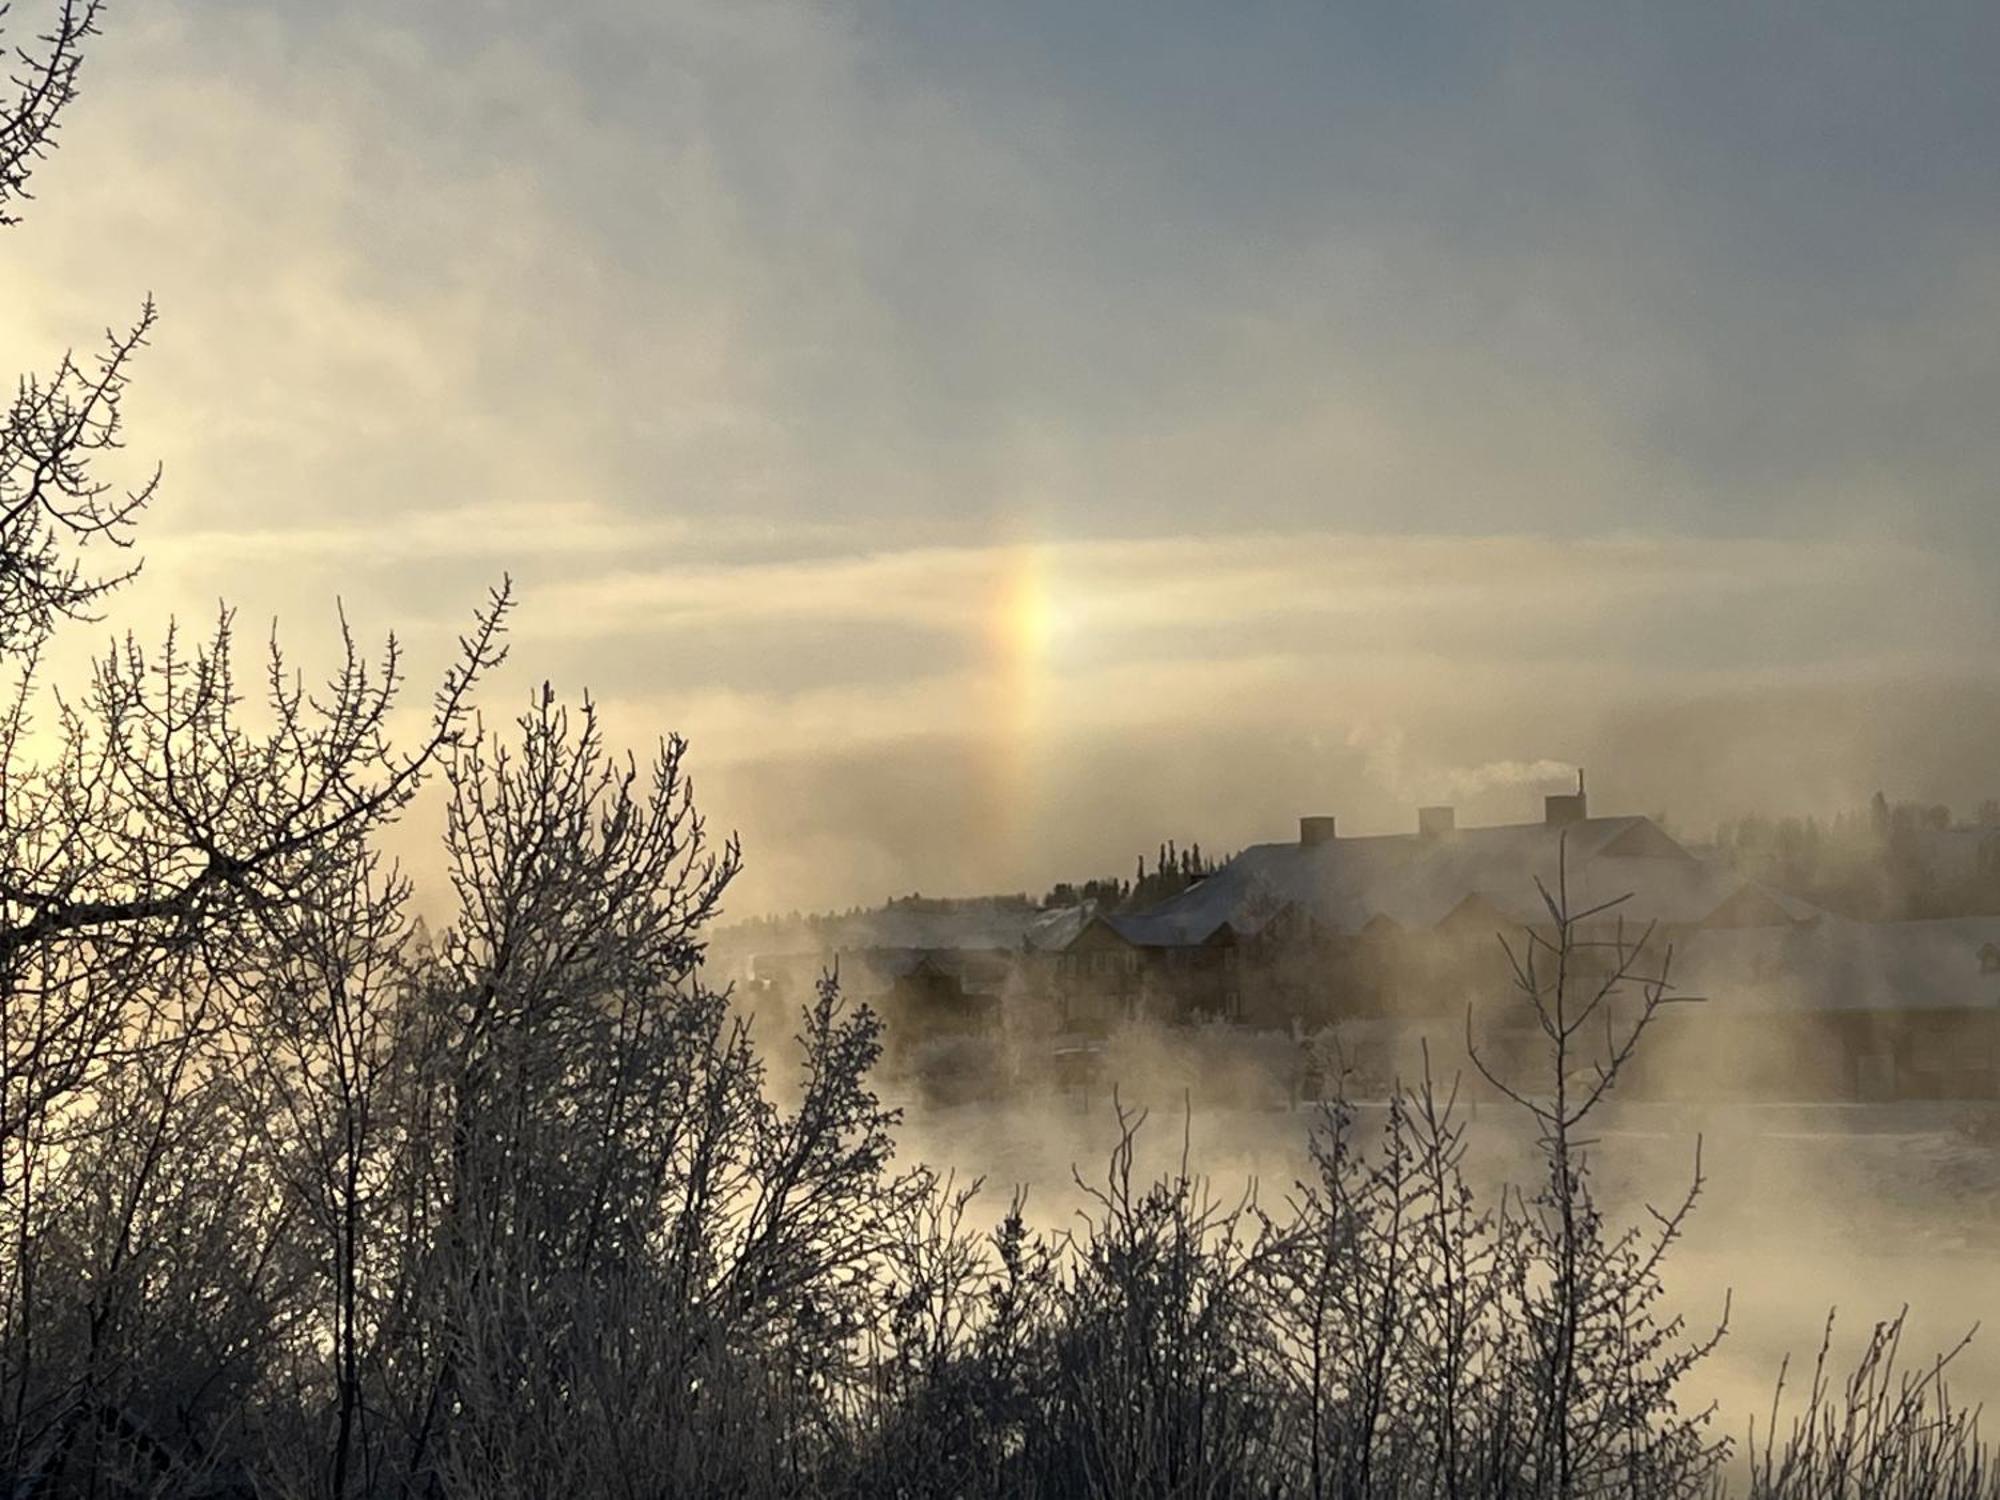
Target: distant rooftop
(928, 924)
(1416, 880)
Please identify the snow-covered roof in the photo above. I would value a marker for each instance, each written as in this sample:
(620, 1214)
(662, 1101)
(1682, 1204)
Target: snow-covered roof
(1160, 928)
(1057, 927)
(995, 924)
(1418, 880)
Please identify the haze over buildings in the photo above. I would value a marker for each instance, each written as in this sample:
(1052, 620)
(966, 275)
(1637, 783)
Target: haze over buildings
(1374, 959)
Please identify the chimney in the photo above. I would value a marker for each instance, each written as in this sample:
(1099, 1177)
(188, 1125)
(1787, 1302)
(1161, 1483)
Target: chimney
(1314, 831)
(1571, 807)
(1432, 821)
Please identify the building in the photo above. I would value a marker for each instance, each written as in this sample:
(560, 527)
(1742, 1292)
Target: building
(932, 968)
(1401, 926)
(1845, 1010)
(1388, 942)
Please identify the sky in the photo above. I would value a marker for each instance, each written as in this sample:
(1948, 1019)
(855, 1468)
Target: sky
(1003, 436)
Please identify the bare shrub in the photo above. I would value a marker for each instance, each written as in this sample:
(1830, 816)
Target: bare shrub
(1888, 1432)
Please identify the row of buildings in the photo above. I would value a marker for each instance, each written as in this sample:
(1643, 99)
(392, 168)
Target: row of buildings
(1388, 942)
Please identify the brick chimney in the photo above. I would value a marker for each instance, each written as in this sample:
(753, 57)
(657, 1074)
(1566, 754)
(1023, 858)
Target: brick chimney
(1568, 808)
(1316, 830)
(1432, 821)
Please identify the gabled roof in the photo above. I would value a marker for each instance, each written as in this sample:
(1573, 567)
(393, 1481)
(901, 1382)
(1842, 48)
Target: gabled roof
(1001, 923)
(1418, 880)
(1157, 929)
(1058, 927)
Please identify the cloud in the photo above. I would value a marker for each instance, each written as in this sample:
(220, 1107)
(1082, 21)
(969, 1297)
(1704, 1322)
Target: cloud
(1654, 604)
(1479, 385)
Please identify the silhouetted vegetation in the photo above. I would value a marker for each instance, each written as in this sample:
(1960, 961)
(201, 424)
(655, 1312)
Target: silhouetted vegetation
(1174, 870)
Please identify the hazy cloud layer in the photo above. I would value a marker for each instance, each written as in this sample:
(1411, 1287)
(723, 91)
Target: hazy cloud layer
(1006, 435)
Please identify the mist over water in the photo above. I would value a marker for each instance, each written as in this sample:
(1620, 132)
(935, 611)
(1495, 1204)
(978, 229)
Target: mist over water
(1806, 1210)
(1815, 1200)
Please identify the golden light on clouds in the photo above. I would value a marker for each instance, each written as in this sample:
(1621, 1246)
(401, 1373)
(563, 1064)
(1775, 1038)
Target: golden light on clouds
(1022, 631)
(752, 427)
